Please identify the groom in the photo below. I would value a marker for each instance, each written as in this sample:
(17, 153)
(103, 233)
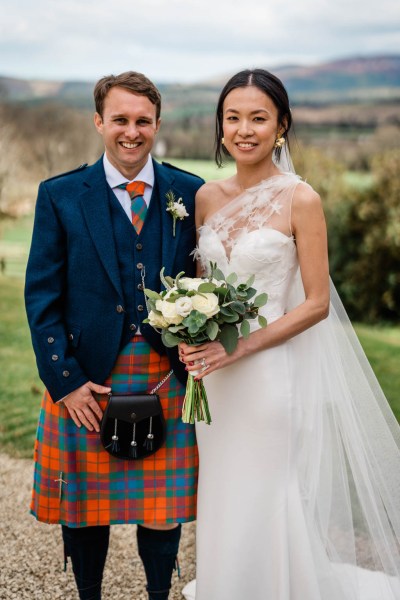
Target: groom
(95, 245)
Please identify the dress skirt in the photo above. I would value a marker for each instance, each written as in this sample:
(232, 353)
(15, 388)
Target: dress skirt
(78, 484)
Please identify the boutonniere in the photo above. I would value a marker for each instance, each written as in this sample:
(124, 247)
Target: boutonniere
(176, 208)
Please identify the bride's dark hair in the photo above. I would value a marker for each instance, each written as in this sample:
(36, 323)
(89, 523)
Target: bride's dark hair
(268, 83)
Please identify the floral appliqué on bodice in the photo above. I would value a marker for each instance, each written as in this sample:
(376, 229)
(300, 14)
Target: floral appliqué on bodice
(251, 235)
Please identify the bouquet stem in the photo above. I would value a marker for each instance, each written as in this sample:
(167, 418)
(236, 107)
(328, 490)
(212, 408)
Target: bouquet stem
(195, 404)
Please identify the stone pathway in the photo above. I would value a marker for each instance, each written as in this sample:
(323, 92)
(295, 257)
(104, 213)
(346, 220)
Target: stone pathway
(31, 553)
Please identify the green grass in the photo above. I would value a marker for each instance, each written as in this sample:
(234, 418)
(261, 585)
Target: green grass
(382, 346)
(20, 387)
(206, 169)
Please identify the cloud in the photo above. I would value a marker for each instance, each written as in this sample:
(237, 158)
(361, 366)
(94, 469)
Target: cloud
(181, 40)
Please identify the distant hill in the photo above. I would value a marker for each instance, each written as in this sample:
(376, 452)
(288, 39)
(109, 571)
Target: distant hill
(375, 78)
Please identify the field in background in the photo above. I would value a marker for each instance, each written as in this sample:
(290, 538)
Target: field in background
(20, 387)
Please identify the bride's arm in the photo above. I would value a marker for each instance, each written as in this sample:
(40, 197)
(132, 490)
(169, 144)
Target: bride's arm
(309, 228)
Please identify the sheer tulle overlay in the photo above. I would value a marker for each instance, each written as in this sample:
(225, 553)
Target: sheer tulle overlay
(299, 489)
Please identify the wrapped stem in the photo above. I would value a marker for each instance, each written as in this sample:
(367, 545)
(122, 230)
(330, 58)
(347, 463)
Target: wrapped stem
(195, 404)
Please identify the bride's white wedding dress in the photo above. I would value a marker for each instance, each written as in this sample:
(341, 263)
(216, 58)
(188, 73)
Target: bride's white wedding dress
(299, 488)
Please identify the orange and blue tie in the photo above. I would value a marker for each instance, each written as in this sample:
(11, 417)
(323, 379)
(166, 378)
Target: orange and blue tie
(135, 190)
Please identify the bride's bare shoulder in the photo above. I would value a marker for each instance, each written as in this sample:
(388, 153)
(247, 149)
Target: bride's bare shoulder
(212, 195)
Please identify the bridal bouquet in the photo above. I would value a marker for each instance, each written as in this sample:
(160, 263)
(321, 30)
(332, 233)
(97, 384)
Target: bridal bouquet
(198, 310)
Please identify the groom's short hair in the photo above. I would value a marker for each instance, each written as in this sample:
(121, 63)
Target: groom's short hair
(131, 81)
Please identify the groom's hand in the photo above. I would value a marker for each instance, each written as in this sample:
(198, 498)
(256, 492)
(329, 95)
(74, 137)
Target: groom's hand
(83, 407)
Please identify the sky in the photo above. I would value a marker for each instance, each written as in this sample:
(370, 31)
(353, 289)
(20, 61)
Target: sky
(187, 41)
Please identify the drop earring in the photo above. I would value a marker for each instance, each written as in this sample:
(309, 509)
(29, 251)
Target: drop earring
(279, 142)
(223, 141)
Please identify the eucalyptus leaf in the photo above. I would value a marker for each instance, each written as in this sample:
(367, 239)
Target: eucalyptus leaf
(238, 307)
(260, 300)
(206, 287)
(245, 329)
(262, 321)
(232, 278)
(233, 318)
(250, 292)
(212, 329)
(218, 274)
(169, 339)
(250, 281)
(151, 294)
(228, 337)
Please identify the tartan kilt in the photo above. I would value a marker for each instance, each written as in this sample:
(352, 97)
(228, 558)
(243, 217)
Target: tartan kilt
(78, 484)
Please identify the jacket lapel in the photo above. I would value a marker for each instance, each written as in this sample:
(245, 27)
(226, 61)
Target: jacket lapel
(170, 243)
(96, 211)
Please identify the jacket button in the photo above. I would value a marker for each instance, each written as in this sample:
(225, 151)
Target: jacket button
(65, 373)
(140, 286)
(119, 308)
(139, 246)
(140, 307)
(54, 357)
(70, 337)
(139, 266)
(132, 327)
(50, 340)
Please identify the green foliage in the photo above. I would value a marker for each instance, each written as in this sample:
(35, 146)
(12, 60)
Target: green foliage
(20, 387)
(364, 234)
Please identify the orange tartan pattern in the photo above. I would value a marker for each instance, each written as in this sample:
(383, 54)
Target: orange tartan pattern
(77, 483)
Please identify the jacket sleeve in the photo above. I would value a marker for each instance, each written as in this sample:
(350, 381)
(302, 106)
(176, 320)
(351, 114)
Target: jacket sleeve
(45, 297)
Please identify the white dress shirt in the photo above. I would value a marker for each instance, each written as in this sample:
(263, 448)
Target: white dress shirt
(115, 178)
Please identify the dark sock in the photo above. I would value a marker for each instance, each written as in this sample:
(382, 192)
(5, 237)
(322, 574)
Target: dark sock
(87, 547)
(158, 550)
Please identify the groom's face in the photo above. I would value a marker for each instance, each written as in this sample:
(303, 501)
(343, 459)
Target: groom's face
(128, 125)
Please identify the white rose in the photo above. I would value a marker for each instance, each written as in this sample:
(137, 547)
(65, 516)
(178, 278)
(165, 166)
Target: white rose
(170, 313)
(156, 320)
(190, 283)
(183, 306)
(180, 210)
(207, 304)
(159, 304)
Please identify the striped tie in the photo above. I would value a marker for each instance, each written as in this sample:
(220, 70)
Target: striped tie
(138, 204)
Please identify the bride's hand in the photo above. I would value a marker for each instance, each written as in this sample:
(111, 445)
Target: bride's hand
(205, 358)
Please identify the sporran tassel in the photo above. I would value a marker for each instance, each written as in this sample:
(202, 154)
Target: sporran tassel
(149, 441)
(133, 452)
(115, 447)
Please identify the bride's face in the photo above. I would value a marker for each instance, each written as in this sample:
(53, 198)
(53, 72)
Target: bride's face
(250, 125)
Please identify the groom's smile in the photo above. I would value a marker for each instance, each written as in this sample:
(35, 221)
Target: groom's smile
(128, 125)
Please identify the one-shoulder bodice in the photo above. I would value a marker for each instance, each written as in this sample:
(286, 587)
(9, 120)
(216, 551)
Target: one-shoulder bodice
(251, 235)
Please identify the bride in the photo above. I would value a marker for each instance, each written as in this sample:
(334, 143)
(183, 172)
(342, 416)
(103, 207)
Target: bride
(299, 488)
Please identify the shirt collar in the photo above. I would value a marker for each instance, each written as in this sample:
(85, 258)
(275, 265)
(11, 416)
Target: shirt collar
(115, 178)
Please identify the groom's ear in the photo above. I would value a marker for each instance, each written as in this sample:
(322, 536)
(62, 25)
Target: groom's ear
(98, 122)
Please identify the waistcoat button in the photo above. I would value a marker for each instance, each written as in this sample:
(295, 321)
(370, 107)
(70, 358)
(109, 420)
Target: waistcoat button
(50, 340)
(140, 286)
(140, 307)
(65, 373)
(54, 357)
(132, 327)
(119, 308)
(139, 266)
(139, 246)
(70, 337)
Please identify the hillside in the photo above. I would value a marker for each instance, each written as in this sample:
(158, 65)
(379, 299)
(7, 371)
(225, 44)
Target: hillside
(372, 79)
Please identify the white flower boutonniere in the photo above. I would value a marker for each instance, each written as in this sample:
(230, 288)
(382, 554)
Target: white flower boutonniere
(176, 208)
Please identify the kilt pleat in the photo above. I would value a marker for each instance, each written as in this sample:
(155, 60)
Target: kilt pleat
(77, 483)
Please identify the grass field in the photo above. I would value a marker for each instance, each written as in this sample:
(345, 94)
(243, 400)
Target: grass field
(20, 387)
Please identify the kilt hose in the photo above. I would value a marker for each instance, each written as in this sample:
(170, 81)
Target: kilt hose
(78, 484)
